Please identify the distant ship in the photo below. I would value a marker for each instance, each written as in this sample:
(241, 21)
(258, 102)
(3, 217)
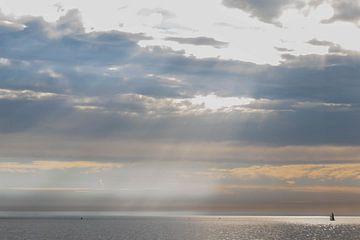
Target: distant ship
(332, 217)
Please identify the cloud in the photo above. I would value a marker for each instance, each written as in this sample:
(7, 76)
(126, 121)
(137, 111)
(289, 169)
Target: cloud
(67, 83)
(49, 42)
(333, 48)
(270, 11)
(199, 41)
(68, 94)
(300, 171)
(5, 62)
(320, 43)
(345, 10)
(56, 165)
(51, 73)
(52, 189)
(197, 105)
(230, 189)
(68, 24)
(280, 49)
(166, 14)
(265, 10)
(25, 94)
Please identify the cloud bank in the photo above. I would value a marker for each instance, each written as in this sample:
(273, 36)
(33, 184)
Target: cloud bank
(74, 102)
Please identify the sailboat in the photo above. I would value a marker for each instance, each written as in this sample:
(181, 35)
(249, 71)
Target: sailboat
(332, 217)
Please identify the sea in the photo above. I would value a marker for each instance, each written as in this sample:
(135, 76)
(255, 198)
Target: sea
(64, 227)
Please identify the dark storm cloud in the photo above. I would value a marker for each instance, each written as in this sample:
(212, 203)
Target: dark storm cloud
(200, 41)
(106, 85)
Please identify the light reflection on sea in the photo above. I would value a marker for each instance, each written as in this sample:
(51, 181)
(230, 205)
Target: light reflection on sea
(176, 228)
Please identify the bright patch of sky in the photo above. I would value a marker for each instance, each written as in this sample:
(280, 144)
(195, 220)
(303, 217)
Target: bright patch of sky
(215, 103)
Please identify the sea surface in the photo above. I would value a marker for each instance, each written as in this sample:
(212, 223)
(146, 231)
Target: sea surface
(177, 228)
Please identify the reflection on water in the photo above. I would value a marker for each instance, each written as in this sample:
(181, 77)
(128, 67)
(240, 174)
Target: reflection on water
(196, 228)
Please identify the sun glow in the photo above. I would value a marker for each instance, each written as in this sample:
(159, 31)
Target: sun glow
(216, 103)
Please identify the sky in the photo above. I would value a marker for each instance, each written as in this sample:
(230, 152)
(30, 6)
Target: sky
(210, 106)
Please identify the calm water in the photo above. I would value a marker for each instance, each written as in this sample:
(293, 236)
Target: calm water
(192, 228)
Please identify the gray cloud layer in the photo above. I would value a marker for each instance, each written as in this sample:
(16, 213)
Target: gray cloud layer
(103, 84)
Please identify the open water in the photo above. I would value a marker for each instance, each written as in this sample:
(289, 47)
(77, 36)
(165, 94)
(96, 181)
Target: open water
(177, 228)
